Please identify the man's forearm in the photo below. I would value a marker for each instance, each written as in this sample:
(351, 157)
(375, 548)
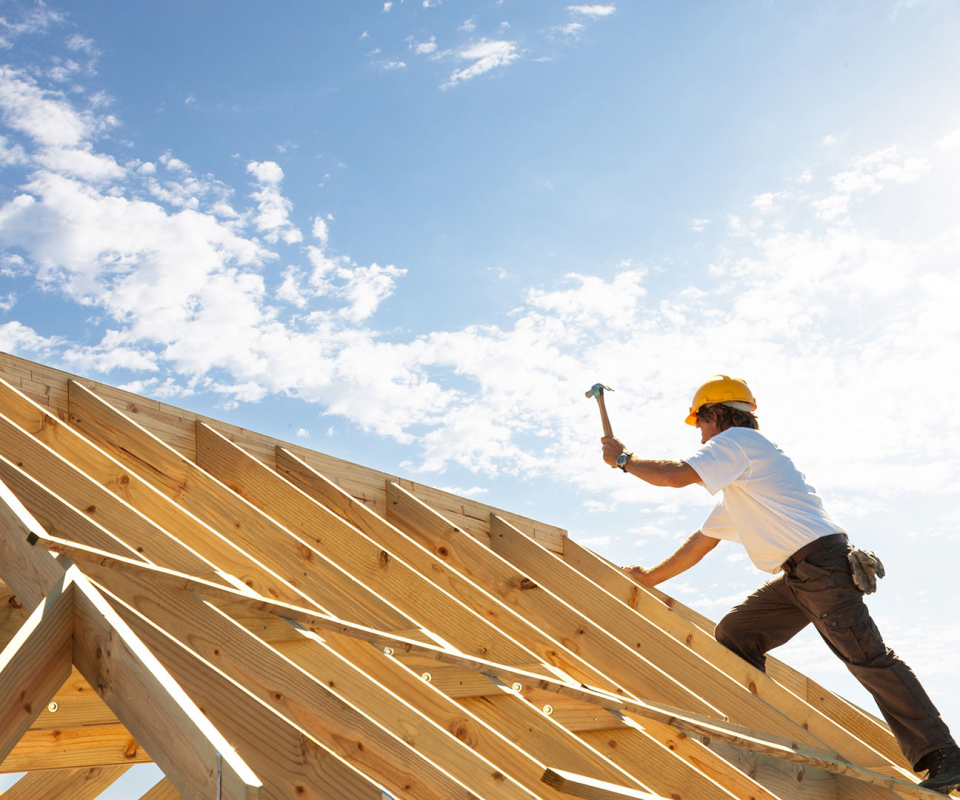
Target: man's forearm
(662, 473)
(688, 555)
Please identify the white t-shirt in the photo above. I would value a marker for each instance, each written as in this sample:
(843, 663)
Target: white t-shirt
(767, 504)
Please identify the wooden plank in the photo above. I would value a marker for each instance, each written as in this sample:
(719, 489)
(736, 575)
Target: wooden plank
(405, 585)
(174, 426)
(277, 548)
(102, 510)
(428, 563)
(506, 755)
(12, 615)
(590, 789)
(34, 665)
(830, 719)
(77, 704)
(269, 691)
(30, 573)
(622, 668)
(143, 695)
(167, 515)
(162, 790)
(548, 742)
(68, 784)
(70, 748)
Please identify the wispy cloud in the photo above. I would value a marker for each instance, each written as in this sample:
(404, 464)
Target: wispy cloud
(593, 11)
(486, 55)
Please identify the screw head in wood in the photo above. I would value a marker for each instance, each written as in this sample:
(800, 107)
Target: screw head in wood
(427, 677)
(388, 651)
(517, 687)
(53, 708)
(548, 710)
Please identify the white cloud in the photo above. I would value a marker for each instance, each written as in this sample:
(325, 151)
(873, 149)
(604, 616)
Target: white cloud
(950, 142)
(387, 6)
(38, 19)
(699, 225)
(303, 433)
(392, 65)
(425, 48)
(486, 55)
(468, 25)
(273, 217)
(593, 11)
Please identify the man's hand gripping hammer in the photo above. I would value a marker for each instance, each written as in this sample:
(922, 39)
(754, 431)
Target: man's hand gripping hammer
(597, 391)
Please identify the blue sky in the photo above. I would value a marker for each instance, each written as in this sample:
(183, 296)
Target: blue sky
(413, 234)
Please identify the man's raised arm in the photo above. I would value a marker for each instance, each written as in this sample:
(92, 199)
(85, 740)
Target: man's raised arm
(660, 473)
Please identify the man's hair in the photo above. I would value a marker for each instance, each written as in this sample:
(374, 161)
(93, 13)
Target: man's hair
(727, 417)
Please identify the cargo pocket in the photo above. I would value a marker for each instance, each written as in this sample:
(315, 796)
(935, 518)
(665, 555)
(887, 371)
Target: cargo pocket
(851, 633)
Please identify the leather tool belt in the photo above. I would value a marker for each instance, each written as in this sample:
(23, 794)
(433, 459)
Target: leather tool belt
(814, 547)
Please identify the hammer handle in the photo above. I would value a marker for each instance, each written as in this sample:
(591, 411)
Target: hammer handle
(607, 430)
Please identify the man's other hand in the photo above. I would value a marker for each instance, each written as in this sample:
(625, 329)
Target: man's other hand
(612, 447)
(641, 575)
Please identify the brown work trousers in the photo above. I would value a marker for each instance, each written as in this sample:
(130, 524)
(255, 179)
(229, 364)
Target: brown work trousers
(820, 589)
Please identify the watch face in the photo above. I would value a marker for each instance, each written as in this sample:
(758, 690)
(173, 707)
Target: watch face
(622, 459)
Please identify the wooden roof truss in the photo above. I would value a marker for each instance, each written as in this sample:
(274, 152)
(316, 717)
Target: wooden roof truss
(261, 620)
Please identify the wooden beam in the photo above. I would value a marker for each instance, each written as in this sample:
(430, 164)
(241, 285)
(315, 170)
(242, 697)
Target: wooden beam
(76, 704)
(122, 671)
(29, 572)
(107, 472)
(69, 784)
(162, 790)
(406, 585)
(31, 470)
(275, 547)
(69, 748)
(12, 615)
(34, 665)
(590, 789)
(622, 668)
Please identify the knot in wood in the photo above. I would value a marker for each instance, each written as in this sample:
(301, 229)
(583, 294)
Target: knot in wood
(384, 558)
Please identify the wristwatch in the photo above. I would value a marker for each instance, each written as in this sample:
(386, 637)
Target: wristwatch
(622, 460)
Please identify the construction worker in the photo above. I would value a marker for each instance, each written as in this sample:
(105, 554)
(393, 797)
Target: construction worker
(767, 506)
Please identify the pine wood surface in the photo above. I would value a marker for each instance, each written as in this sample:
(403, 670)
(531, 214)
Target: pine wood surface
(34, 665)
(407, 586)
(84, 783)
(221, 553)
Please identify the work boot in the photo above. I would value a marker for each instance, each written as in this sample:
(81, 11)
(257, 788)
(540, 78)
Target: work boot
(943, 767)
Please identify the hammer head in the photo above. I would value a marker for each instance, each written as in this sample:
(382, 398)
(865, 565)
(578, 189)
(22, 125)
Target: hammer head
(597, 390)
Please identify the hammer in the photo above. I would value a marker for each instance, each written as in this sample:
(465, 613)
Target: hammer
(597, 391)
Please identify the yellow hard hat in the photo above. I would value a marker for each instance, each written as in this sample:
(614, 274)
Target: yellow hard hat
(720, 389)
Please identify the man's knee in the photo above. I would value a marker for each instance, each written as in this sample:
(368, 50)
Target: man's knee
(741, 640)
